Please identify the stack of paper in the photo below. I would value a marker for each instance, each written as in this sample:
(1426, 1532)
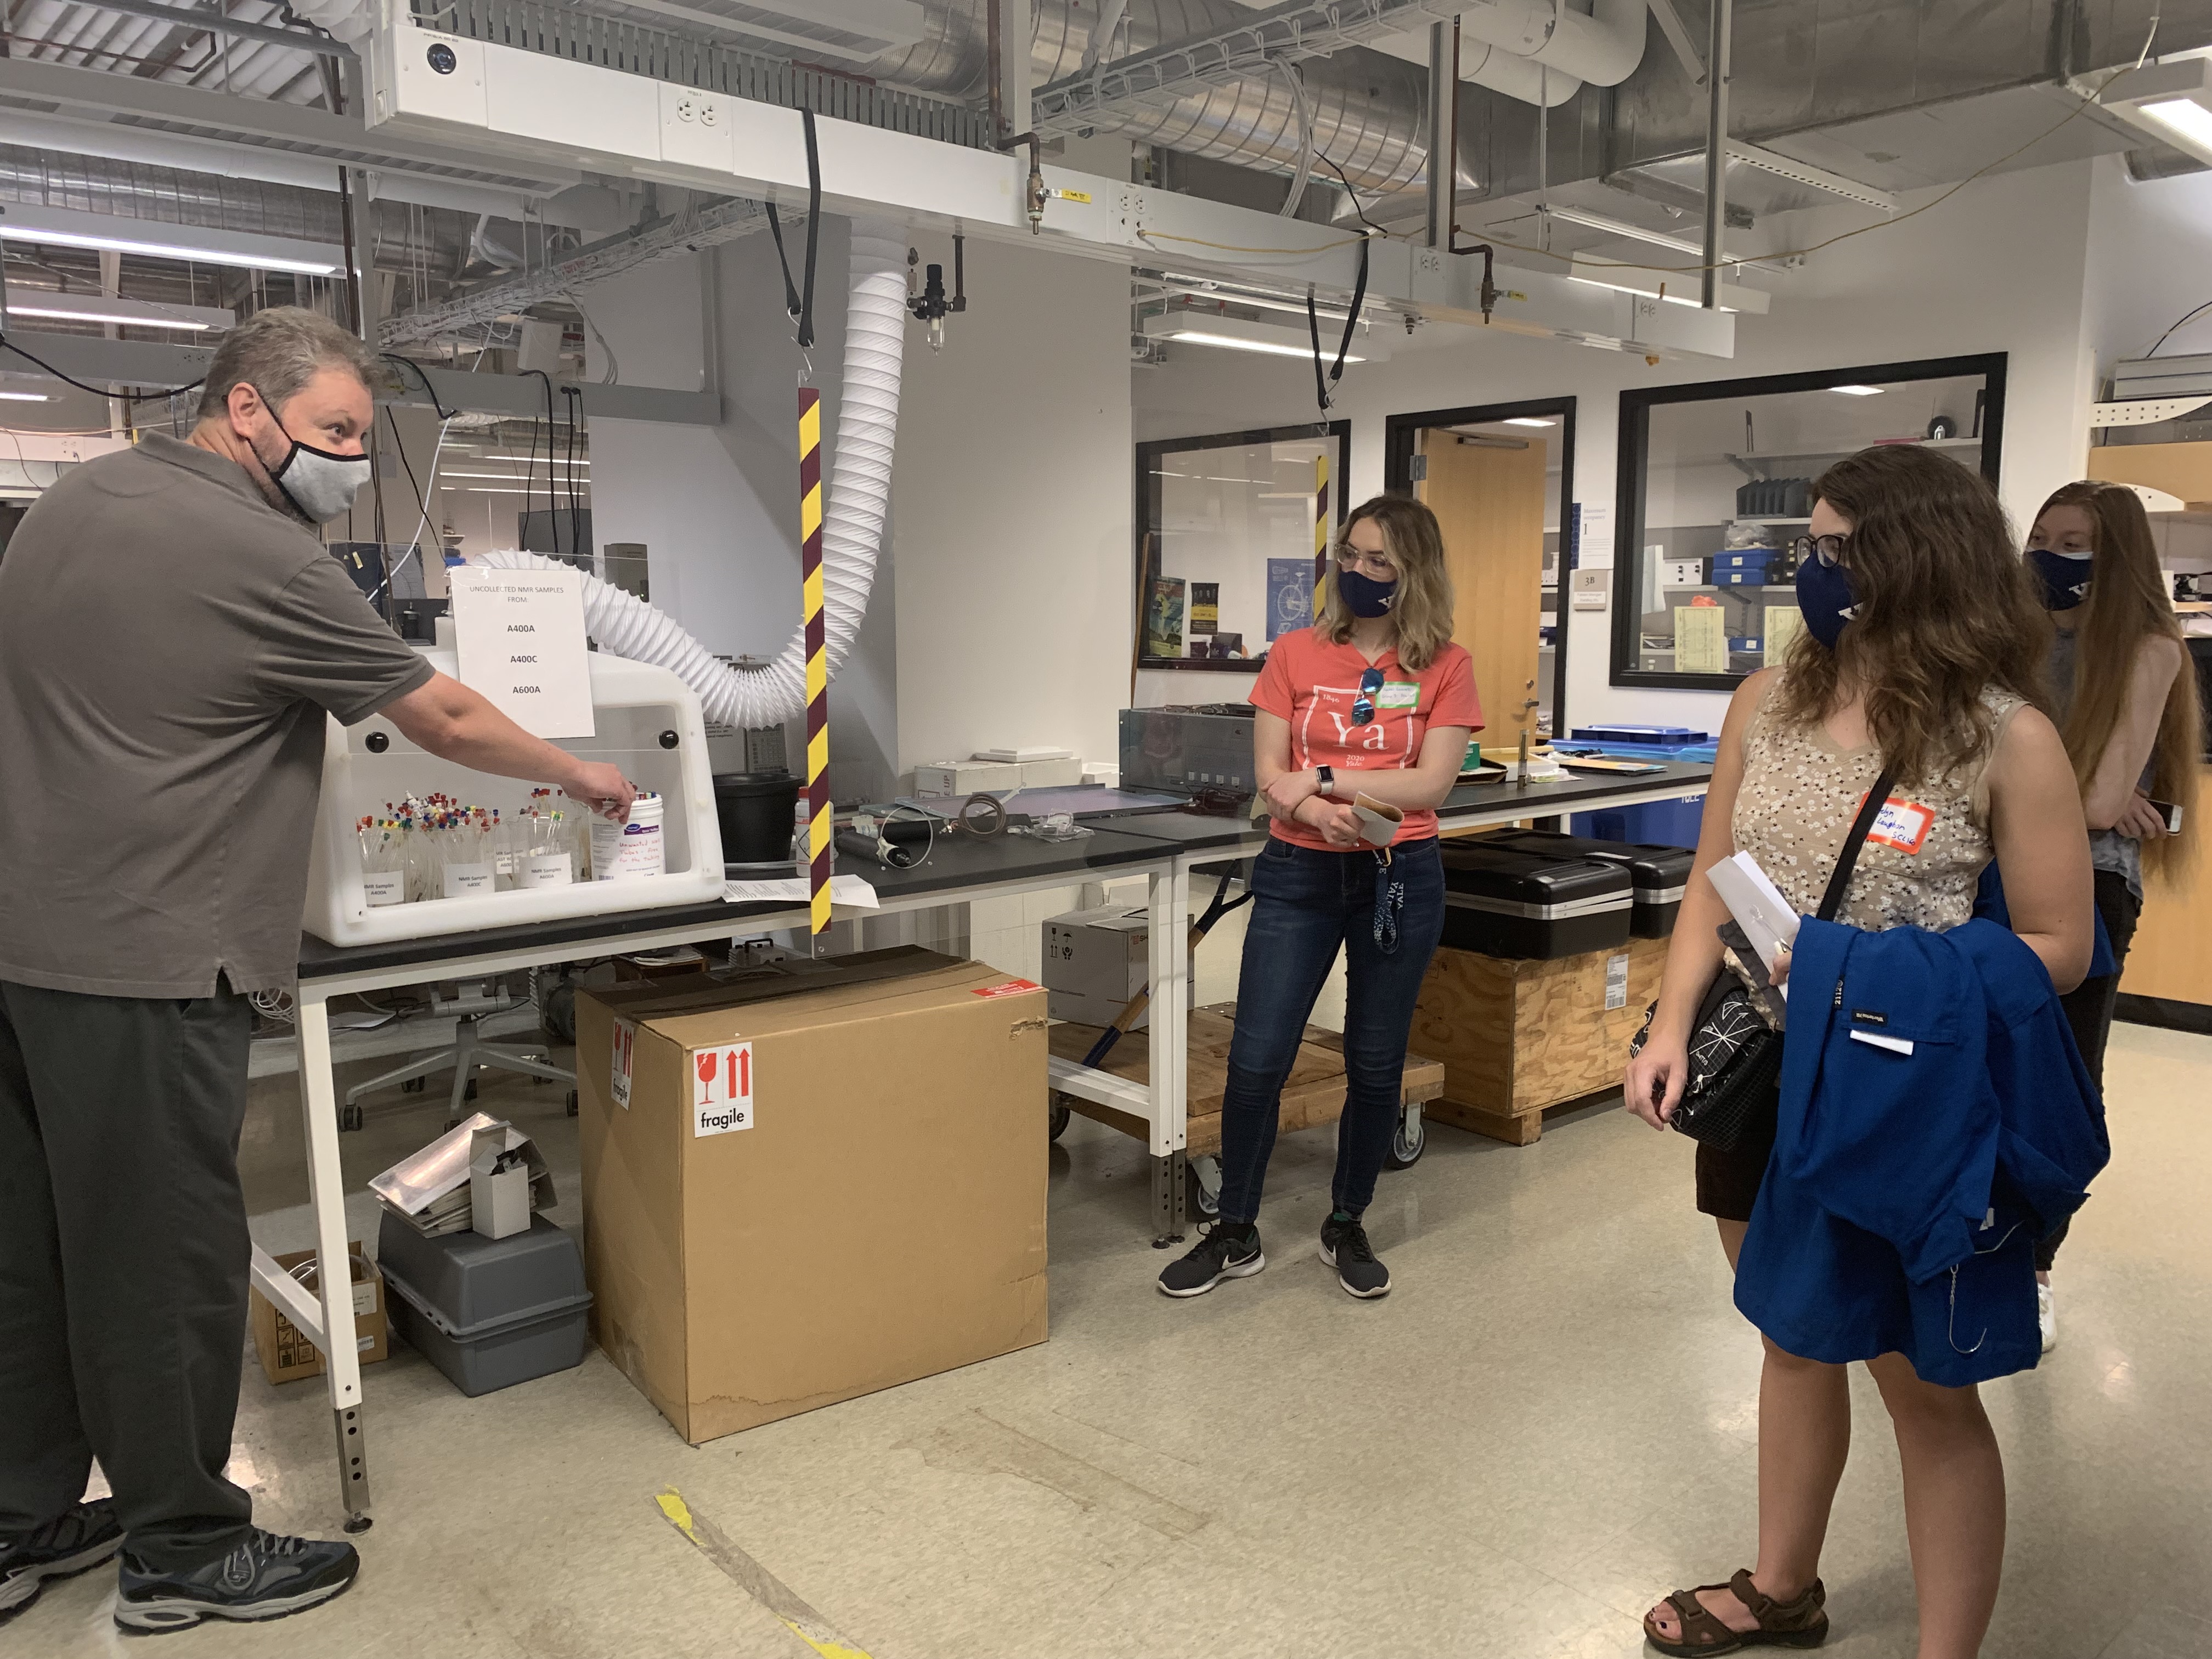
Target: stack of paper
(1767, 919)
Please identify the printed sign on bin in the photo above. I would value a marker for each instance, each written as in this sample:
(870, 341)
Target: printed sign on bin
(721, 1089)
(624, 1046)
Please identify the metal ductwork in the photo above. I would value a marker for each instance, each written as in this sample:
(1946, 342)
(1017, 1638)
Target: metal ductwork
(1367, 107)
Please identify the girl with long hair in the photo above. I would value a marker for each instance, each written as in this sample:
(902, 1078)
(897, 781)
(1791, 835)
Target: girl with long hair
(1374, 699)
(2127, 710)
(1921, 655)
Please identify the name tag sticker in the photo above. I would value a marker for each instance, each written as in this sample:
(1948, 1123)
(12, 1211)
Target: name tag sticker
(1902, 824)
(1398, 695)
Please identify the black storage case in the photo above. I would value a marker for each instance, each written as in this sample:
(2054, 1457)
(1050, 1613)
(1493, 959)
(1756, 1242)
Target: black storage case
(1500, 902)
(1659, 876)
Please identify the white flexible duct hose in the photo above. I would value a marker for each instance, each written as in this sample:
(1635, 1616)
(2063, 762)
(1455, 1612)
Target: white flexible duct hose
(851, 529)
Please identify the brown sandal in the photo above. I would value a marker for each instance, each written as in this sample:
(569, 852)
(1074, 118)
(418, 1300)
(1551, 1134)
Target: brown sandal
(1803, 1623)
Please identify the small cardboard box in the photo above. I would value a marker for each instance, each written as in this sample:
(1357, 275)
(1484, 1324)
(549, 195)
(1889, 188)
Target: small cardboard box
(812, 1180)
(1096, 960)
(499, 1183)
(1052, 774)
(286, 1355)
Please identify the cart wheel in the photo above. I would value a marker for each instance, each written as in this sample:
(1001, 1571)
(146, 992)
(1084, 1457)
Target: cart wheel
(414, 1086)
(1202, 1186)
(349, 1118)
(1059, 1112)
(572, 1103)
(1410, 1141)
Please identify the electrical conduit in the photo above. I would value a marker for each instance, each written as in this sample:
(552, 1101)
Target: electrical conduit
(851, 529)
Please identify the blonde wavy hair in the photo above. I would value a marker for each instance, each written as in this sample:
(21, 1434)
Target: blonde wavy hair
(1423, 609)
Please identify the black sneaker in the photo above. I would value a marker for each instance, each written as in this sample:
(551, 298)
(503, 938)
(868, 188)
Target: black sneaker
(1225, 1251)
(264, 1577)
(1344, 1246)
(76, 1540)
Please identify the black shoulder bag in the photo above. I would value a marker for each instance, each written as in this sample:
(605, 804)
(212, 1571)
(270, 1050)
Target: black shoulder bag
(1735, 1056)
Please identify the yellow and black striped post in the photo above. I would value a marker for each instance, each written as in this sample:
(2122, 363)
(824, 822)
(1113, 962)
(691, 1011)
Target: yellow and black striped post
(1321, 535)
(817, 659)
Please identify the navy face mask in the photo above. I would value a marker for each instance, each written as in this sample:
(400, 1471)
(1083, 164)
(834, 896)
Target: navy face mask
(1366, 596)
(1824, 594)
(2065, 577)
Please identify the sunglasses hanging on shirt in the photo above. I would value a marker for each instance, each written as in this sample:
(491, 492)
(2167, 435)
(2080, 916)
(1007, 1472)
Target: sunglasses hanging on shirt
(1362, 706)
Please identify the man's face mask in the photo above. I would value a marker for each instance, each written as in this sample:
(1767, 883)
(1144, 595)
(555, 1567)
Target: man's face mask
(319, 484)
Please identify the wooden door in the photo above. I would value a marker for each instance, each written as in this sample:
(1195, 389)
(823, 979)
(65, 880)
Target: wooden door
(1488, 495)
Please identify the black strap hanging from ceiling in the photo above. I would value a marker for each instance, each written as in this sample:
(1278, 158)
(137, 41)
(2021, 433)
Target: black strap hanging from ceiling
(801, 306)
(1323, 382)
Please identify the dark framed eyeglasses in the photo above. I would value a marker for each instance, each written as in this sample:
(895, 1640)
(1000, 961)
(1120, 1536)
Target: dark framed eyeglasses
(1362, 706)
(1829, 549)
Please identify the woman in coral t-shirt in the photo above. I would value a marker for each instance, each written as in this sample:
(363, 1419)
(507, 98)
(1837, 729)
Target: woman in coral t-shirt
(1374, 700)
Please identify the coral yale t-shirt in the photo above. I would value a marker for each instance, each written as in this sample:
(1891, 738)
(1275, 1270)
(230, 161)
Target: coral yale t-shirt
(1312, 683)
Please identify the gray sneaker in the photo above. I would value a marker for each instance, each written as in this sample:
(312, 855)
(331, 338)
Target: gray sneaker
(76, 1540)
(264, 1577)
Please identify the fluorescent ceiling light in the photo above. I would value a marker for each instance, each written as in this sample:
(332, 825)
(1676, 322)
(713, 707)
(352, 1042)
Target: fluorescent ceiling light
(26, 396)
(1672, 286)
(2172, 101)
(1575, 215)
(158, 239)
(1857, 391)
(1208, 336)
(108, 308)
(1529, 420)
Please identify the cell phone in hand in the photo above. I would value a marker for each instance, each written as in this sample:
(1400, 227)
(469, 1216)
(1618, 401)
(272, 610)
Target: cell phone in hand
(2171, 812)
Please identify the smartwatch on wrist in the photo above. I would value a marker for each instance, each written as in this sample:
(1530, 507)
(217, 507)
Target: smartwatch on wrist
(1328, 776)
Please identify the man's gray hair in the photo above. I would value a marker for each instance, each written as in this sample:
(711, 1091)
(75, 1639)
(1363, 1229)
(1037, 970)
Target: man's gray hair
(279, 350)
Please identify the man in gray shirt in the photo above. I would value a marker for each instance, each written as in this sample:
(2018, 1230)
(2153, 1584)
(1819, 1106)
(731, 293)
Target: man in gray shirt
(172, 635)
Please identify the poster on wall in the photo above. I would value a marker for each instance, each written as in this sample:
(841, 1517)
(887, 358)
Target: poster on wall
(1700, 639)
(1783, 622)
(1163, 618)
(1289, 597)
(1206, 607)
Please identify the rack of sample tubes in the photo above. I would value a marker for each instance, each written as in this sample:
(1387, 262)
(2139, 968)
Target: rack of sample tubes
(431, 847)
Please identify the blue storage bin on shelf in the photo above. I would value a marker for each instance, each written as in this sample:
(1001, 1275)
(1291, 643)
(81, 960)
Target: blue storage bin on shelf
(1746, 558)
(1755, 576)
(1651, 823)
(1755, 646)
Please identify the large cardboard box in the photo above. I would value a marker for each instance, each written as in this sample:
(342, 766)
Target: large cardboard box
(809, 1180)
(283, 1348)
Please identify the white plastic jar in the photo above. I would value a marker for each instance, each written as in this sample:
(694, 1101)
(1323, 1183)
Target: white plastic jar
(623, 851)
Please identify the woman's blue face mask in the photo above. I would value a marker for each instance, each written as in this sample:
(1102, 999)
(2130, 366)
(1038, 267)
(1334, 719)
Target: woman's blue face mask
(1824, 593)
(2063, 577)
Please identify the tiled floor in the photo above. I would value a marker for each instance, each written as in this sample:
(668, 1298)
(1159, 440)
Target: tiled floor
(1548, 1425)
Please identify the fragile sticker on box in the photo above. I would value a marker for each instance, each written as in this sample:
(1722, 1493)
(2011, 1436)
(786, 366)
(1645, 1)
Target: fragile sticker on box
(1012, 987)
(622, 1050)
(721, 1089)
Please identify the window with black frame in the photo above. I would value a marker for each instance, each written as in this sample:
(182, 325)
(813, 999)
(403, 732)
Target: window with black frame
(1715, 493)
(1228, 531)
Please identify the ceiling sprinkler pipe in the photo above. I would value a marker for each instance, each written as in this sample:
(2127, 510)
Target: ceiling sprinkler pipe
(851, 529)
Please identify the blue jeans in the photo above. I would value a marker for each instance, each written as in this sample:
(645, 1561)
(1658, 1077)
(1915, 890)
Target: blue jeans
(1307, 903)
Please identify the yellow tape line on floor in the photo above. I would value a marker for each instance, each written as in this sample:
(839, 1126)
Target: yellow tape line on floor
(756, 1581)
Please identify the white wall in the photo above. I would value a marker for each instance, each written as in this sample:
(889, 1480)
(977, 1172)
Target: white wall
(1010, 511)
(1999, 267)
(718, 506)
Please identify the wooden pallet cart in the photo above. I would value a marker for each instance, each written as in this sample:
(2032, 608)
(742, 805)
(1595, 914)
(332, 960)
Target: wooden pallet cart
(1313, 1094)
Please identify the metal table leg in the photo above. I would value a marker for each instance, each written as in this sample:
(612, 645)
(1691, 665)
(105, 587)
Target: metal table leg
(334, 1274)
(1168, 919)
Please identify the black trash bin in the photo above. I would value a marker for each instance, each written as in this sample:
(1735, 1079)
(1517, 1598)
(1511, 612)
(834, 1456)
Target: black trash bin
(755, 810)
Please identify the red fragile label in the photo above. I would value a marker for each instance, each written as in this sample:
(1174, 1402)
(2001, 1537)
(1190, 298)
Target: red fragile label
(1012, 987)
